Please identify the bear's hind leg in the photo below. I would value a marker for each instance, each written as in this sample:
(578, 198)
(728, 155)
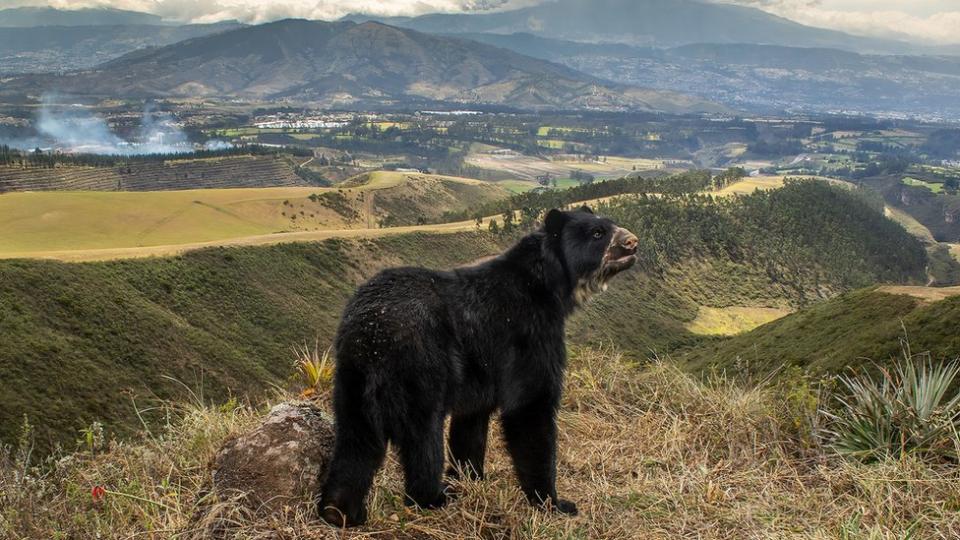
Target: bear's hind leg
(468, 444)
(421, 454)
(359, 449)
(355, 462)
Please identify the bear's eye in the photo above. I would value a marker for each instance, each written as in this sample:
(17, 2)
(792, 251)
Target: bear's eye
(598, 233)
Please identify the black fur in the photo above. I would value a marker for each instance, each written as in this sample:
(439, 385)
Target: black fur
(415, 345)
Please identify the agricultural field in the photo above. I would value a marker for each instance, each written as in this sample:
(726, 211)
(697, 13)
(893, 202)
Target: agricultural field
(934, 187)
(65, 224)
(529, 168)
(751, 184)
(835, 334)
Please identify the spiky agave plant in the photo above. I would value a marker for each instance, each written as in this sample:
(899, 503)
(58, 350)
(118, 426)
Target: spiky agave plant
(315, 368)
(913, 408)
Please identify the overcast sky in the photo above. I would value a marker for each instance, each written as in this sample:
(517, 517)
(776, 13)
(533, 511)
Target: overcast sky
(930, 21)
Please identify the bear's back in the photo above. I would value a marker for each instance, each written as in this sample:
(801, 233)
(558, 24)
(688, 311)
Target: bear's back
(397, 306)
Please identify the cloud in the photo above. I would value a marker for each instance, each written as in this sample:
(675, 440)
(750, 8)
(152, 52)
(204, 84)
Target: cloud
(258, 11)
(922, 21)
(939, 28)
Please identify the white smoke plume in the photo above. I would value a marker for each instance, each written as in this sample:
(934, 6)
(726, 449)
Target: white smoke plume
(74, 129)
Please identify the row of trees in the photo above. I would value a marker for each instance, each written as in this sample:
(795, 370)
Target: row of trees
(806, 236)
(49, 159)
(537, 202)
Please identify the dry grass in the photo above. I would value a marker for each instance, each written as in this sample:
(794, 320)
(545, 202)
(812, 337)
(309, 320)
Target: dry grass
(909, 223)
(733, 320)
(749, 185)
(105, 225)
(646, 451)
(927, 294)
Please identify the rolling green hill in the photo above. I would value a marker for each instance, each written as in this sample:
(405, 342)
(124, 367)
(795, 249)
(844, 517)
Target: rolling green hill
(45, 224)
(82, 342)
(854, 329)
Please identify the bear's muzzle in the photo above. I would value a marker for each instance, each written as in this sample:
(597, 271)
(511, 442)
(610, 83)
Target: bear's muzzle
(622, 251)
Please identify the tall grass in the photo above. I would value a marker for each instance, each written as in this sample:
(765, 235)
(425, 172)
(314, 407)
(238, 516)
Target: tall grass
(646, 450)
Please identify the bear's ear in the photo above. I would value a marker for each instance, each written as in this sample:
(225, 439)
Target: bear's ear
(554, 222)
(586, 209)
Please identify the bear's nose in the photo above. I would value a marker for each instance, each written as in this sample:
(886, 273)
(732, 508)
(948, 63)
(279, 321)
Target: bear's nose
(629, 241)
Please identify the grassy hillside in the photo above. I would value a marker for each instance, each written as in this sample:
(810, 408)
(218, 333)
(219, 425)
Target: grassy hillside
(60, 221)
(82, 341)
(645, 451)
(852, 329)
(939, 212)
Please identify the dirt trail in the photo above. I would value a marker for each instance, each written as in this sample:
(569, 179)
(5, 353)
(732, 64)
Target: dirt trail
(258, 240)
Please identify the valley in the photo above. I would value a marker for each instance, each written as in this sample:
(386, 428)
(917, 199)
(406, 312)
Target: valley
(191, 196)
(234, 313)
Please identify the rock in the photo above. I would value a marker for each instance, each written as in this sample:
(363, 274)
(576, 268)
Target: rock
(278, 465)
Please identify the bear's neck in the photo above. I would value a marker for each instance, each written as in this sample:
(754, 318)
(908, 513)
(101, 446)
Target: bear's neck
(537, 265)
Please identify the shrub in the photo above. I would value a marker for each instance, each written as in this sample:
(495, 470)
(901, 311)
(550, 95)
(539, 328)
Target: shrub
(912, 409)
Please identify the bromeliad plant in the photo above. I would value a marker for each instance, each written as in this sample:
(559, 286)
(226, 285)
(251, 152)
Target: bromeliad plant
(315, 369)
(912, 409)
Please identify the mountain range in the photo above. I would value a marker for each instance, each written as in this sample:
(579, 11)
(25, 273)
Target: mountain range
(660, 23)
(662, 55)
(24, 17)
(46, 49)
(765, 78)
(345, 63)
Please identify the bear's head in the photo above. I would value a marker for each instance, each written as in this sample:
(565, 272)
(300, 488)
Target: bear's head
(590, 249)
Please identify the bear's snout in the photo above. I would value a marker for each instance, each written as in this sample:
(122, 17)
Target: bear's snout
(626, 240)
(622, 252)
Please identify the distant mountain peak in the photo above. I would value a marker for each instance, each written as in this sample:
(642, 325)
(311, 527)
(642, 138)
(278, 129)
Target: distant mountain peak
(659, 23)
(348, 64)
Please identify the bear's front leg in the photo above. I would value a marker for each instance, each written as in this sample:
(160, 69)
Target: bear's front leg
(468, 444)
(531, 437)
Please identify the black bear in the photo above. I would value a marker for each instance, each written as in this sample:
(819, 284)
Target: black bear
(415, 345)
